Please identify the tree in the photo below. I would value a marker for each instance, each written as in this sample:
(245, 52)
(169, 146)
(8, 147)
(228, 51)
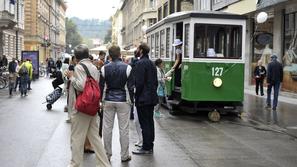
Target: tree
(88, 42)
(73, 38)
(107, 37)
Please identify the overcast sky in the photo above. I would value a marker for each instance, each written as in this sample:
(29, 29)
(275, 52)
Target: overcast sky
(89, 9)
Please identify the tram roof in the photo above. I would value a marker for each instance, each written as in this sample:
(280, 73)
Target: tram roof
(195, 14)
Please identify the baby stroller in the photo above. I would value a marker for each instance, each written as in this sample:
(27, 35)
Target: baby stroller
(53, 97)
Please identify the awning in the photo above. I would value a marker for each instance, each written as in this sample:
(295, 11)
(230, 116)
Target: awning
(100, 48)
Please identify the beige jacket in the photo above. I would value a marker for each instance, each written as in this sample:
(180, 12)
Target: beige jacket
(77, 82)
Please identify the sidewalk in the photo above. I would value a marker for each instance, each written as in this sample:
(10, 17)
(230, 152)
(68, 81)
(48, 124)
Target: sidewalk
(285, 117)
(286, 97)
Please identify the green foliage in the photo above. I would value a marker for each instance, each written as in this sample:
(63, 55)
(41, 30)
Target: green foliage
(92, 28)
(73, 38)
(107, 37)
(88, 42)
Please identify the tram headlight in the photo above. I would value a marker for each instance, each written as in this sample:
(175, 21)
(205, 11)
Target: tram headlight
(217, 82)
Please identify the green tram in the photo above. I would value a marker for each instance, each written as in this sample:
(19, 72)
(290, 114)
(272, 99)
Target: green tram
(213, 56)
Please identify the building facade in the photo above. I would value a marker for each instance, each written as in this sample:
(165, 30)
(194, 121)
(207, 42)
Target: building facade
(45, 27)
(117, 24)
(137, 16)
(11, 28)
(167, 7)
(280, 34)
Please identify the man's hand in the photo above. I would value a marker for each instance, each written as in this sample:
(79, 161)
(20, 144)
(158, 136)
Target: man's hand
(69, 74)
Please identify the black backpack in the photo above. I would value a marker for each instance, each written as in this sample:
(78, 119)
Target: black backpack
(23, 70)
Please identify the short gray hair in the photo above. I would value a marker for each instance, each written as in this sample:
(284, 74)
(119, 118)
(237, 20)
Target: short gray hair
(81, 51)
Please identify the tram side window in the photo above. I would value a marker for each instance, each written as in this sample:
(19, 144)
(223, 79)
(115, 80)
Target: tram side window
(168, 44)
(217, 41)
(186, 42)
(157, 45)
(153, 46)
(149, 44)
(162, 45)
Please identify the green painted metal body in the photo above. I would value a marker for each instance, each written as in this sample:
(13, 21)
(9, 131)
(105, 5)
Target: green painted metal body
(197, 81)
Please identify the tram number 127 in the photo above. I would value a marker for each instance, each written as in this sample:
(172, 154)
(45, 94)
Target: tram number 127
(217, 71)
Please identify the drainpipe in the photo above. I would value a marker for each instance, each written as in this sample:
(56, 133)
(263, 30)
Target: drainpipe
(17, 33)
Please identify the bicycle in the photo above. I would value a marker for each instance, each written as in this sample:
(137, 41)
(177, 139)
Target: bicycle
(42, 71)
(4, 76)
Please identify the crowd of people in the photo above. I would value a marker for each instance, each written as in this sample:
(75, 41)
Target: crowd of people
(124, 88)
(20, 76)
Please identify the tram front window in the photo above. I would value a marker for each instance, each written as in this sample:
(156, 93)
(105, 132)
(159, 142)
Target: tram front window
(217, 41)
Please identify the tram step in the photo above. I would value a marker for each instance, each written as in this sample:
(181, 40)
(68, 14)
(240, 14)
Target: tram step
(174, 102)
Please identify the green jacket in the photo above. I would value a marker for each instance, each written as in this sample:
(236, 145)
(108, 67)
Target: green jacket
(29, 68)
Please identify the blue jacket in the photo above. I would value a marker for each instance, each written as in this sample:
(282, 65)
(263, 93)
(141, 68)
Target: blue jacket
(274, 72)
(118, 81)
(146, 82)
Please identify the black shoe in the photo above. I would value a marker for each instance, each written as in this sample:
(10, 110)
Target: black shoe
(262, 94)
(127, 159)
(268, 106)
(89, 151)
(143, 152)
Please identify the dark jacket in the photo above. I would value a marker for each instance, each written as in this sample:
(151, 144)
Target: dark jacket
(274, 72)
(59, 79)
(12, 67)
(116, 79)
(4, 62)
(146, 82)
(260, 72)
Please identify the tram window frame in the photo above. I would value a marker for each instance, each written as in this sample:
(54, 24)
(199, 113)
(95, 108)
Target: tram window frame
(204, 39)
(153, 45)
(167, 45)
(186, 41)
(162, 45)
(149, 41)
(157, 44)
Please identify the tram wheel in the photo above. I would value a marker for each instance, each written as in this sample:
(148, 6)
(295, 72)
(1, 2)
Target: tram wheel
(49, 106)
(214, 116)
(173, 111)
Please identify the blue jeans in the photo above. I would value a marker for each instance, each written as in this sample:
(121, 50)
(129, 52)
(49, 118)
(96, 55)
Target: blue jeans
(24, 84)
(275, 94)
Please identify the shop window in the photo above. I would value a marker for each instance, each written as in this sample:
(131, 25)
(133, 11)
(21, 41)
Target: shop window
(289, 58)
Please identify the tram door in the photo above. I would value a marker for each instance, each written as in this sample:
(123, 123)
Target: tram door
(177, 34)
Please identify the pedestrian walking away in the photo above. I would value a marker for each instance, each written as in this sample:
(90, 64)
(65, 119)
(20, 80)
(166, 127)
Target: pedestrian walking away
(117, 101)
(146, 98)
(12, 74)
(274, 79)
(82, 124)
(25, 71)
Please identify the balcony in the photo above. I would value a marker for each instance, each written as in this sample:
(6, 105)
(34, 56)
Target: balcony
(7, 20)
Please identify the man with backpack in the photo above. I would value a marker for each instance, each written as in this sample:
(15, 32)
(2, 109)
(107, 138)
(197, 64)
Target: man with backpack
(83, 88)
(25, 71)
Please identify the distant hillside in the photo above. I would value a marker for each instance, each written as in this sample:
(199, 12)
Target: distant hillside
(92, 28)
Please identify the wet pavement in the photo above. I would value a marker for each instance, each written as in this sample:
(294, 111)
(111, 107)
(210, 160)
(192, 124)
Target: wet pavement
(34, 137)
